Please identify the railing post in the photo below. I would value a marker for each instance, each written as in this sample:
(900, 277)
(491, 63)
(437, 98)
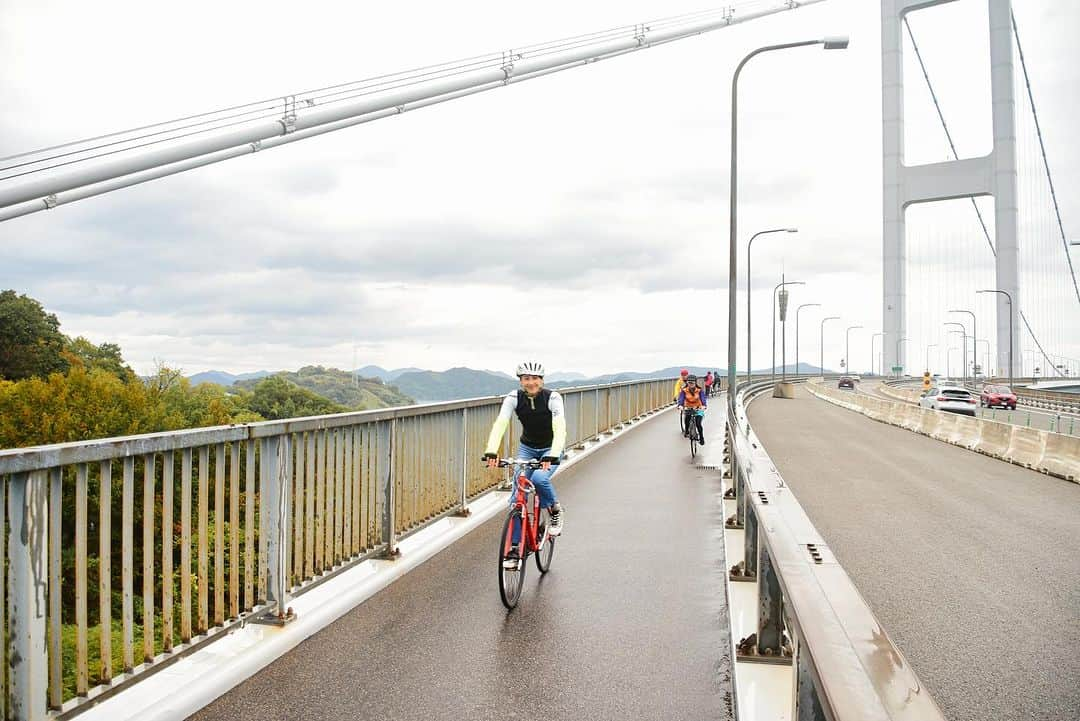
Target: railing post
(274, 495)
(464, 451)
(770, 619)
(807, 702)
(387, 434)
(750, 544)
(28, 675)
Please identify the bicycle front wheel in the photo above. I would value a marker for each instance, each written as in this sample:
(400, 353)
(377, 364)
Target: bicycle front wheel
(547, 545)
(511, 580)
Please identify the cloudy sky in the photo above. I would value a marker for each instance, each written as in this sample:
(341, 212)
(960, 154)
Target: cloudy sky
(580, 218)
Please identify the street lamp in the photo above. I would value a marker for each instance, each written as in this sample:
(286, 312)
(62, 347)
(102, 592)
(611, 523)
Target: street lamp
(963, 332)
(1008, 296)
(822, 347)
(749, 366)
(932, 345)
(872, 339)
(974, 337)
(898, 363)
(779, 285)
(829, 43)
(804, 305)
(847, 346)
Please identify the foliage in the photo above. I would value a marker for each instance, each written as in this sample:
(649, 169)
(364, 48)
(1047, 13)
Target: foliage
(339, 386)
(30, 340)
(275, 398)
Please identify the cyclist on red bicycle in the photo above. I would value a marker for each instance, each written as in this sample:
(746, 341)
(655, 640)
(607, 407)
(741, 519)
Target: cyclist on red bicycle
(691, 397)
(543, 436)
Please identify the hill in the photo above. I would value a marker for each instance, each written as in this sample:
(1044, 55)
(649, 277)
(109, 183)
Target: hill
(339, 387)
(223, 378)
(386, 376)
(454, 384)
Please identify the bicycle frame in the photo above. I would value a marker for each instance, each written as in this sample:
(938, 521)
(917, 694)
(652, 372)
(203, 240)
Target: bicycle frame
(523, 489)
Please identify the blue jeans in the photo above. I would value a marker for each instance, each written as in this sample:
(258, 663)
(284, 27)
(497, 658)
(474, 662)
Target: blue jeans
(540, 479)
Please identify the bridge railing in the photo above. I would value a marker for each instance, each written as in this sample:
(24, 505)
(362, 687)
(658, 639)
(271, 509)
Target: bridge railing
(124, 554)
(810, 615)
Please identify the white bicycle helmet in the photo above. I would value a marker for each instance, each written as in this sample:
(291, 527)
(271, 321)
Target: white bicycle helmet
(530, 368)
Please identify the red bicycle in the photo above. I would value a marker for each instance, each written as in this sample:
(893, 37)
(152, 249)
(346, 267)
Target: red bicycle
(532, 523)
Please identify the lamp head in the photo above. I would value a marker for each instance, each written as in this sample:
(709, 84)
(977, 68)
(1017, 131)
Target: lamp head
(835, 42)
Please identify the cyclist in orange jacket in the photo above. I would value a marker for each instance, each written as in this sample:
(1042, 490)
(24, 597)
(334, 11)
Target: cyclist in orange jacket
(691, 397)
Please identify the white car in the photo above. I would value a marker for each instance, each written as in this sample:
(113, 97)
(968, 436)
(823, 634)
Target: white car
(950, 398)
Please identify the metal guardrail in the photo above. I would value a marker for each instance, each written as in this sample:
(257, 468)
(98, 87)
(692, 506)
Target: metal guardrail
(844, 665)
(220, 526)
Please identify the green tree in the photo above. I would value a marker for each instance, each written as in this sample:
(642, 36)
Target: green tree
(106, 356)
(275, 398)
(31, 344)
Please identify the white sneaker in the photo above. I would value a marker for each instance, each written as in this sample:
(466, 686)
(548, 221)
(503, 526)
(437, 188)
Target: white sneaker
(556, 524)
(511, 561)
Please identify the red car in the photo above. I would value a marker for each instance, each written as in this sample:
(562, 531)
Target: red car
(997, 396)
(846, 382)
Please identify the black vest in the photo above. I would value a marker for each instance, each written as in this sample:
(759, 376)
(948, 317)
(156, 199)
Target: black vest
(535, 417)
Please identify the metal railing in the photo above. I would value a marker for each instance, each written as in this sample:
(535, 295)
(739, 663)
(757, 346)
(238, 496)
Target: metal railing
(224, 525)
(810, 615)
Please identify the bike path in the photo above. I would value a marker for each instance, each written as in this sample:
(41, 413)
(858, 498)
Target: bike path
(631, 622)
(971, 564)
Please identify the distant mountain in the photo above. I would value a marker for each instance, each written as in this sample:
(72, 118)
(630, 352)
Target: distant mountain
(224, 379)
(339, 387)
(382, 374)
(565, 377)
(454, 384)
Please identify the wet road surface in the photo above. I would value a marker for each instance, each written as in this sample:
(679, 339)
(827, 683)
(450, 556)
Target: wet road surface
(631, 622)
(971, 564)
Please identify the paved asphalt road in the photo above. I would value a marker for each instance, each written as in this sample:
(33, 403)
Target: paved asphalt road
(971, 564)
(630, 623)
(1066, 423)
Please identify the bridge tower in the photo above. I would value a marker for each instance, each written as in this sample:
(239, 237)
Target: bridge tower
(994, 174)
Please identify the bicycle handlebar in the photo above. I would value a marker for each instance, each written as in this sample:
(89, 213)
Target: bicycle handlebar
(506, 462)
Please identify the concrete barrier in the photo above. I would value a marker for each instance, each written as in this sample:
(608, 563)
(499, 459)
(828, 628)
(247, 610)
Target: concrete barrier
(966, 432)
(911, 417)
(930, 421)
(1026, 446)
(896, 413)
(946, 424)
(994, 438)
(1061, 456)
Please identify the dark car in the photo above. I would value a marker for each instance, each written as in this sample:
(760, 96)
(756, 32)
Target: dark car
(997, 396)
(846, 382)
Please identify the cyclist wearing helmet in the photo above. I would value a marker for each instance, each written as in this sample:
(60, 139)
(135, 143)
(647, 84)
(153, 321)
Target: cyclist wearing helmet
(543, 436)
(693, 398)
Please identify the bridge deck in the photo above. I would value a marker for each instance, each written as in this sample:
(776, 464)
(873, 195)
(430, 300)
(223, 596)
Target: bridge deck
(630, 623)
(971, 564)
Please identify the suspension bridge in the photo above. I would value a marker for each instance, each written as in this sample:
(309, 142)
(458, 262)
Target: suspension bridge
(820, 558)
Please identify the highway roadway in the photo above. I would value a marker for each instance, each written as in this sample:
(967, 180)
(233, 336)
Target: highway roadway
(971, 564)
(1066, 423)
(631, 622)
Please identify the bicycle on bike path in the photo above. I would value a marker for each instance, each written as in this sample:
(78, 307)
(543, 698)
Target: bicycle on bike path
(525, 532)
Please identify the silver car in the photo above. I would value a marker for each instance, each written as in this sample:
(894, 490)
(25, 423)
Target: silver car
(950, 398)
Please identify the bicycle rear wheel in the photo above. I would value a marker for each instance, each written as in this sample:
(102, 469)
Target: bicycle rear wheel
(693, 442)
(511, 581)
(547, 545)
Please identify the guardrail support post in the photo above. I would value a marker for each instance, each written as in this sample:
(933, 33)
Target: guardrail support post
(807, 703)
(770, 637)
(387, 433)
(464, 452)
(750, 544)
(28, 675)
(275, 520)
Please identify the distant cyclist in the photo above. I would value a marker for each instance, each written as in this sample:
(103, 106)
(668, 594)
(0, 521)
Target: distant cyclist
(708, 383)
(679, 383)
(693, 398)
(543, 436)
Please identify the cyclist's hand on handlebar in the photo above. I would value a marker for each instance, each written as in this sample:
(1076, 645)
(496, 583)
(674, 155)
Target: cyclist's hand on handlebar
(546, 461)
(491, 459)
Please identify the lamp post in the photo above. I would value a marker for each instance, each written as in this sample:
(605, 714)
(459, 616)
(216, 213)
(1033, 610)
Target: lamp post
(779, 285)
(932, 345)
(1008, 296)
(975, 338)
(749, 365)
(832, 43)
(898, 342)
(831, 317)
(804, 305)
(847, 346)
(872, 339)
(963, 332)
